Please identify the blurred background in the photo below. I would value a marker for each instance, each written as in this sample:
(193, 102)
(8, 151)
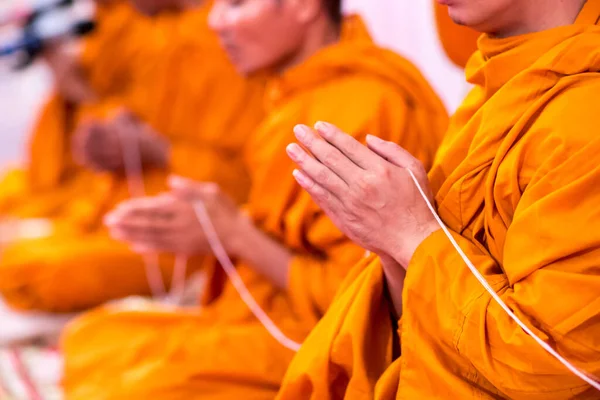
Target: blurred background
(405, 26)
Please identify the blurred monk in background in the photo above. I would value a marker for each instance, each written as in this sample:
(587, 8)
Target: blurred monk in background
(164, 86)
(289, 254)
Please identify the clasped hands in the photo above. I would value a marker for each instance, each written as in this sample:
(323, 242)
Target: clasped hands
(366, 190)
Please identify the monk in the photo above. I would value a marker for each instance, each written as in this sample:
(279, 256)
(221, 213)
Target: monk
(459, 42)
(517, 183)
(287, 252)
(177, 93)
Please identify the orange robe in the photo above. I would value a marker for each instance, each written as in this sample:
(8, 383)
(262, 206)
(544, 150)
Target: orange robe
(459, 42)
(222, 351)
(517, 181)
(179, 81)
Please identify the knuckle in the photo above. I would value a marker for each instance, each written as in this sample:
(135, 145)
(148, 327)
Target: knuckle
(331, 157)
(322, 176)
(366, 183)
(382, 170)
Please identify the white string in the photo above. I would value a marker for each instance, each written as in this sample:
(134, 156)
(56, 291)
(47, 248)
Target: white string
(221, 254)
(497, 298)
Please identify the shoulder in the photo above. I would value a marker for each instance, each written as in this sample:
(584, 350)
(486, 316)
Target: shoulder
(569, 119)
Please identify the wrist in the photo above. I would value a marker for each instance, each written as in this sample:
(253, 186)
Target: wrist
(237, 241)
(411, 240)
(394, 278)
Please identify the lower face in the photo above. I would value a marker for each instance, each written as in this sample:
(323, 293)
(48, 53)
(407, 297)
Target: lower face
(257, 34)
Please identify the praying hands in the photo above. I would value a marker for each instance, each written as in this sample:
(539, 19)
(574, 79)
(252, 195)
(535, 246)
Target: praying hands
(367, 191)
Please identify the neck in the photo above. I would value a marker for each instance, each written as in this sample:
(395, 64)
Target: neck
(321, 34)
(537, 16)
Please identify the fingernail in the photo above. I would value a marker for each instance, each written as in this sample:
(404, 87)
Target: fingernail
(301, 131)
(292, 150)
(374, 139)
(323, 127)
(300, 177)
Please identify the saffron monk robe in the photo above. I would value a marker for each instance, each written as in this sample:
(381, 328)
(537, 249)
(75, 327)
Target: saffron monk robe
(186, 110)
(517, 182)
(289, 254)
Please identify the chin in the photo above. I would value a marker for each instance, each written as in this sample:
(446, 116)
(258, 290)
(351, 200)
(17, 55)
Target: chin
(458, 16)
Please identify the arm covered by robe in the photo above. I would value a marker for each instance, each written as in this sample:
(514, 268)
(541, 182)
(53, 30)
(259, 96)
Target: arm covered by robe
(548, 277)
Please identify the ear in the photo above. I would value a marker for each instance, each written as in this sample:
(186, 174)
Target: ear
(306, 11)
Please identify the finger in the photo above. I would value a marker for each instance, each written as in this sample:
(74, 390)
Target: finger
(346, 144)
(400, 157)
(191, 190)
(88, 140)
(327, 154)
(319, 194)
(139, 243)
(136, 235)
(317, 172)
(120, 114)
(392, 152)
(140, 207)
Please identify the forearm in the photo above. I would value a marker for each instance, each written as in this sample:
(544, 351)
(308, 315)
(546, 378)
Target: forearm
(454, 309)
(263, 253)
(394, 275)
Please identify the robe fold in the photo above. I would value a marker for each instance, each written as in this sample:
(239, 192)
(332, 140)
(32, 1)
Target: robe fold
(222, 351)
(517, 181)
(169, 71)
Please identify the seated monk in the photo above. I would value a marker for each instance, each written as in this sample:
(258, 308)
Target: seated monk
(288, 253)
(517, 184)
(180, 94)
(459, 42)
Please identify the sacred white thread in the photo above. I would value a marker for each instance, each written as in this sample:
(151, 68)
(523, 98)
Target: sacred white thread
(497, 298)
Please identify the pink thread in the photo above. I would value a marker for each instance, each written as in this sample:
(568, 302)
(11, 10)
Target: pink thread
(21, 369)
(221, 254)
(132, 163)
(133, 171)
